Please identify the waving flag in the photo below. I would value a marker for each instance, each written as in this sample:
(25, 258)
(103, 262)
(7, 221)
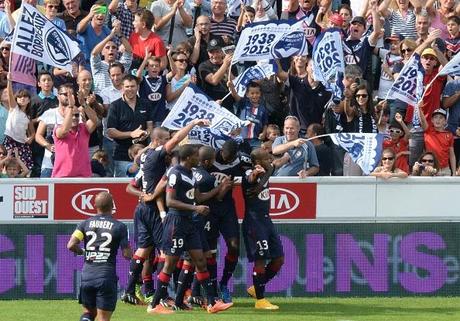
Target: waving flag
(210, 137)
(452, 68)
(195, 104)
(364, 149)
(271, 40)
(259, 71)
(328, 61)
(38, 38)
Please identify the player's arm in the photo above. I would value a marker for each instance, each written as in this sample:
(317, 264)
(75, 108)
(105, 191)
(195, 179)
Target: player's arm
(126, 250)
(264, 175)
(221, 189)
(132, 189)
(74, 243)
(159, 190)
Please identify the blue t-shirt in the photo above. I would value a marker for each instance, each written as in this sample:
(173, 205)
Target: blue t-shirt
(302, 157)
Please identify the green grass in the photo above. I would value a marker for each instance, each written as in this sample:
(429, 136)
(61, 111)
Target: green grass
(314, 309)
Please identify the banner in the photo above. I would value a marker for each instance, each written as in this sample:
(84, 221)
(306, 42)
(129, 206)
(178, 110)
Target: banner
(209, 137)
(195, 104)
(38, 38)
(408, 87)
(271, 40)
(257, 72)
(23, 70)
(365, 149)
(328, 61)
(452, 68)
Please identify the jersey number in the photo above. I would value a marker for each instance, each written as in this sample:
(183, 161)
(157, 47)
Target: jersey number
(178, 243)
(263, 245)
(207, 226)
(104, 246)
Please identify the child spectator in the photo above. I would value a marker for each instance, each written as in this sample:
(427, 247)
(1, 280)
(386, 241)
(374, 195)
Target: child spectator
(247, 15)
(389, 57)
(323, 152)
(99, 161)
(439, 141)
(20, 132)
(251, 108)
(51, 10)
(453, 41)
(13, 166)
(387, 168)
(273, 131)
(134, 153)
(398, 141)
(383, 115)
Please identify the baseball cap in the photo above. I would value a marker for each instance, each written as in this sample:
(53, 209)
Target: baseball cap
(439, 111)
(358, 19)
(336, 19)
(215, 44)
(430, 52)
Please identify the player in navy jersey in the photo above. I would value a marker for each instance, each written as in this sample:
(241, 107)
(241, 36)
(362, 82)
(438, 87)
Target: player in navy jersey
(260, 237)
(102, 236)
(147, 221)
(180, 234)
(229, 163)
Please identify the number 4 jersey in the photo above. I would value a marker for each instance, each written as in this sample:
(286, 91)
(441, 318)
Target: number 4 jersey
(102, 236)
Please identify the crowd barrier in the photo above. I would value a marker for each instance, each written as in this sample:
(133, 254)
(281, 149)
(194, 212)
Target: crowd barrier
(341, 236)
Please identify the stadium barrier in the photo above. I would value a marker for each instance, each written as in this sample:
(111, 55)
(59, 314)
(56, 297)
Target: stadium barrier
(341, 236)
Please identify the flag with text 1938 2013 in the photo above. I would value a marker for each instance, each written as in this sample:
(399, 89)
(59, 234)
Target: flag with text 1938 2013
(38, 38)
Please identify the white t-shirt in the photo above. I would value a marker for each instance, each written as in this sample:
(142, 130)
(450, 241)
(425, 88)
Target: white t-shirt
(386, 80)
(17, 124)
(51, 118)
(109, 95)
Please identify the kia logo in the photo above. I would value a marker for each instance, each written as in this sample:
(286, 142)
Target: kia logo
(282, 201)
(83, 202)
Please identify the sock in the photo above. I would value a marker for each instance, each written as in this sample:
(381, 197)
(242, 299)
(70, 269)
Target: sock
(177, 272)
(183, 283)
(203, 278)
(271, 270)
(160, 265)
(86, 317)
(230, 265)
(154, 263)
(162, 288)
(196, 287)
(135, 269)
(212, 268)
(148, 285)
(258, 278)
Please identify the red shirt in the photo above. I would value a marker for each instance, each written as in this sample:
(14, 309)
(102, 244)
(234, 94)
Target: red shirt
(439, 142)
(155, 43)
(402, 162)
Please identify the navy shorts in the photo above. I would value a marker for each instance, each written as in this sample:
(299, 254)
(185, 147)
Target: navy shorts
(179, 235)
(99, 293)
(148, 228)
(260, 238)
(226, 220)
(200, 221)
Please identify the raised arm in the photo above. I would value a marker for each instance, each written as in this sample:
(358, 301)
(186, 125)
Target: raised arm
(374, 36)
(100, 46)
(181, 134)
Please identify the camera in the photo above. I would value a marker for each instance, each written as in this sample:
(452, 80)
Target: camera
(358, 81)
(228, 49)
(421, 167)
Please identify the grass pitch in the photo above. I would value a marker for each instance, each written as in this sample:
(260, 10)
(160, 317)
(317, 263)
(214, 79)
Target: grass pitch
(314, 309)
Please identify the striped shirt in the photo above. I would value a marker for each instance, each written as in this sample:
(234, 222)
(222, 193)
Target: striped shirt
(226, 27)
(100, 70)
(126, 18)
(400, 25)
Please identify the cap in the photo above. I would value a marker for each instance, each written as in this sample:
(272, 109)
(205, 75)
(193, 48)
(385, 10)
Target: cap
(394, 38)
(439, 111)
(336, 19)
(215, 44)
(429, 51)
(358, 19)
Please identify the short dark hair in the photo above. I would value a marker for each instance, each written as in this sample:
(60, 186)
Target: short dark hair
(117, 64)
(146, 17)
(185, 151)
(129, 77)
(253, 84)
(67, 85)
(43, 72)
(455, 19)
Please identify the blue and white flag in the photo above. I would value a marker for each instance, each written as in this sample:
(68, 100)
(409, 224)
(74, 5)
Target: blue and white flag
(328, 61)
(38, 38)
(408, 87)
(271, 40)
(257, 72)
(210, 137)
(452, 68)
(364, 149)
(195, 104)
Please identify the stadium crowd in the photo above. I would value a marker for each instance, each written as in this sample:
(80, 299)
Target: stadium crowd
(137, 58)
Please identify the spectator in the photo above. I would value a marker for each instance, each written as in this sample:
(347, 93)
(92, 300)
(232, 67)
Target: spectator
(398, 141)
(124, 11)
(51, 9)
(71, 140)
(72, 15)
(109, 50)
(99, 162)
(402, 19)
(422, 26)
(359, 112)
(221, 25)
(389, 57)
(347, 15)
(4, 107)
(143, 39)
(134, 153)
(14, 166)
(387, 168)
(305, 10)
(323, 151)
(450, 101)
(163, 11)
(303, 160)
(180, 80)
(453, 40)
(129, 118)
(273, 131)
(426, 165)
(19, 131)
(200, 41)
(440, 15)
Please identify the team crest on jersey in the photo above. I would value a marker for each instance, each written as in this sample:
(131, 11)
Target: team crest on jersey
(190, 194)
(172, 180)
(264, 195)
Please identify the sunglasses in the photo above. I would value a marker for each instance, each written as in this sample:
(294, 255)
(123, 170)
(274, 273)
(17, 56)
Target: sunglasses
(2, 154)
(5, 48)
(181, 60)
(64, 94)
(427, 160)
(361, 95)
(53, 6)
(76, 115)
(388, 158)
(395, 131)
(403, 51)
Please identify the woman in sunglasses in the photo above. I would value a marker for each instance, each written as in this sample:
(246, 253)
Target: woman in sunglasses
(180, 80)
(387, 168)
(427, 165)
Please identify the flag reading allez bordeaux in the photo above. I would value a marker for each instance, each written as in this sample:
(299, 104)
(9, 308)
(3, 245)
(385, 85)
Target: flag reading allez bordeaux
(194, 104)
(38, 38)
(271, 40)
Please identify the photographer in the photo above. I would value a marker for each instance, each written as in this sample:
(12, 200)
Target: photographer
(426, 165)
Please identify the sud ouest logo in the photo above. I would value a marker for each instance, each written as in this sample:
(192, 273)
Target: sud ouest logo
(83, 201)
(282, 201)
